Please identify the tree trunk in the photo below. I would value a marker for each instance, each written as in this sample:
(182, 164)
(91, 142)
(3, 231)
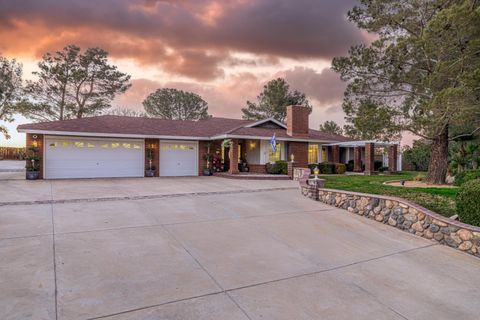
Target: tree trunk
(438, 165)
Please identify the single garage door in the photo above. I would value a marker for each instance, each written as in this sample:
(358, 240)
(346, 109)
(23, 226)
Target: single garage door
(178, 158)
(72, 157)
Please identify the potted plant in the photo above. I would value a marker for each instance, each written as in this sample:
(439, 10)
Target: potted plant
(33, 165)
(207, 157)
(150, 171)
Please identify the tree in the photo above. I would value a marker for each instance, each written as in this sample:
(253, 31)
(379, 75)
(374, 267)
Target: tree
(10, 91)
(369, 122)
(424, 69)
(418, 155)
(71, 84)
(126, 112)
(273, 101)
(331, 127)
(175, 104)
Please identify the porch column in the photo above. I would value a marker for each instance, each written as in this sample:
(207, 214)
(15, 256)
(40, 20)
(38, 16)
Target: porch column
(369, 158)
(357, 159)
(336, 154)
(233, 157)
(392, 158)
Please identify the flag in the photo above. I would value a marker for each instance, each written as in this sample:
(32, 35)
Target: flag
(273, 143)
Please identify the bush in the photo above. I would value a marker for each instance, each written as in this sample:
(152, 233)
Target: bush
(468, 202)
(383, 169)
(350, 165)
(377, 164)
(279, 167)
(326, 167)
(464, 176)
(340, 168)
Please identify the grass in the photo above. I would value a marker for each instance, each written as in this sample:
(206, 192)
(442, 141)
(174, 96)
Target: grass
(440, 200)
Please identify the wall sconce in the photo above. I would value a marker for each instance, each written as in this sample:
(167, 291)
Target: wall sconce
(292, 157)
(253, 145)
(152, 146)
(34, 143)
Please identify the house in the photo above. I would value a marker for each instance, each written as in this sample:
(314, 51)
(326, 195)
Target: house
(116, 146)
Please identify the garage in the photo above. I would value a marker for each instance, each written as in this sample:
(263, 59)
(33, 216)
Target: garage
(72, 157)
(178, 158)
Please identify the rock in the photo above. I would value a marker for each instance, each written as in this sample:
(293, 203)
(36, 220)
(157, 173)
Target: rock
(407, 224)
(434, 228)
(418, 233)
(438, 236)
(392, 221)
(398, 211)
(377, 210)
(412, 211)
(450, 242)
(350, 209)
(456, 238)
(400, 219)
(417, 226)
(379, 217)
(439, 223)
(364, 201)
(360, 212)
(389, 204)
(464, 246)
(386, 211)
(420, 216)
(454, 217)
(464, 234)
(375, 202)
(410, 217)
(428, 234)
(403, 205)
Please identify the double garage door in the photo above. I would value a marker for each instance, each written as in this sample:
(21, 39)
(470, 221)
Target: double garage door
(72, 157)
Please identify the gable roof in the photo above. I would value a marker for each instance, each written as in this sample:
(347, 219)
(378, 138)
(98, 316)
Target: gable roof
(143, 127)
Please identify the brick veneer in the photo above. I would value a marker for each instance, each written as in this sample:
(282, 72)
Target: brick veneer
(357, 159)
(257, 168)
(392, 158)
(336, 154)
(155, 144)
(40, 142)
(297, 121)
(369, 158)
(399, 213)
(233, 157)
(299, 151)
(202, 150)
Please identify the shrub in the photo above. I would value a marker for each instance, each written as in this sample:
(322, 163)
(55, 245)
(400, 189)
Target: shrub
(326, 167)
(340, 168)
(377, 164)
(464, 176)
(279, 167)
(350, 165)
(468, 202)
(383, 169)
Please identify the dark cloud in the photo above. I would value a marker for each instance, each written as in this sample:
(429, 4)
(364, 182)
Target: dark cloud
(191, 38)
(325, 86)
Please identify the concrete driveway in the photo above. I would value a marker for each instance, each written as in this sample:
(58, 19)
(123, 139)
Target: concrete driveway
(213, 248)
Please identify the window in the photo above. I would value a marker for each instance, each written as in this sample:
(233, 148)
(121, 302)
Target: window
(312, 153)
(115, 145)
(79, 144)
(105, 145)
(324, 154)
(53, 145)
(274, 156)
(136, 146)
(66, 144)
(127, 145)
(90, 145)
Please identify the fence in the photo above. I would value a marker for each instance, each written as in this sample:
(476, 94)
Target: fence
(9, 153)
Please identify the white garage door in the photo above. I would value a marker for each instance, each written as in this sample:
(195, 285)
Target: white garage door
(71, 157)
(178, 158)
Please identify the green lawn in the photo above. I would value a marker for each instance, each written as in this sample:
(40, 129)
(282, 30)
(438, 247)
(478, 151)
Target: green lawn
(440, 200)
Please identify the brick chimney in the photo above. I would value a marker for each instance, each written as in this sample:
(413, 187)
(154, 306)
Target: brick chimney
(297, 121)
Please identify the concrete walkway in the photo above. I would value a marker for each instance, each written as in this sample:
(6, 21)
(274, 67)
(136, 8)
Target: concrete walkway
(264, 252)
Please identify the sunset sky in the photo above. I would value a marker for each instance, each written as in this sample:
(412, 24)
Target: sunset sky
(223, 50)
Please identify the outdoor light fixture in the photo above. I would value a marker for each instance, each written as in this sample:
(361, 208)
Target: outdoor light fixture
(252, 144)
(292, 157)
(34, 143)
(316, 171)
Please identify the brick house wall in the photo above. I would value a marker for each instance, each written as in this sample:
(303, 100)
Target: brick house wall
(202, 150)
(257, 168)
(39, 141)
(297, 121)
(299, 151)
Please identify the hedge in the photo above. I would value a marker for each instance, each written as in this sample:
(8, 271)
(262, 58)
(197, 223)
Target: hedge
(468, 202)
(279, 167)
(340, 168)
(464, 176)
(326, 167)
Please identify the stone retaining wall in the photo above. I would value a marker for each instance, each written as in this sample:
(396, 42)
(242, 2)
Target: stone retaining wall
(401, 214)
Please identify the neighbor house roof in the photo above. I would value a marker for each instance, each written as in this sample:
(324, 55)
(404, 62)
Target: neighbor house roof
(211, 128)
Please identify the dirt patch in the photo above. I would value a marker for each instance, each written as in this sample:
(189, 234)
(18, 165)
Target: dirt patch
(417, 184)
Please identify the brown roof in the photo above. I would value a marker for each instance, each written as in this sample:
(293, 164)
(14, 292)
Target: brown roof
(207, 128)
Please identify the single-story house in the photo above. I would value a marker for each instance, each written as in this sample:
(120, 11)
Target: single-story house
(117, 146)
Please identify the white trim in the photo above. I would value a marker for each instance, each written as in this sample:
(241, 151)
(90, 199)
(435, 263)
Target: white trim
(184, 138)
(363, 142)
(111, 135)
(271, 119)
